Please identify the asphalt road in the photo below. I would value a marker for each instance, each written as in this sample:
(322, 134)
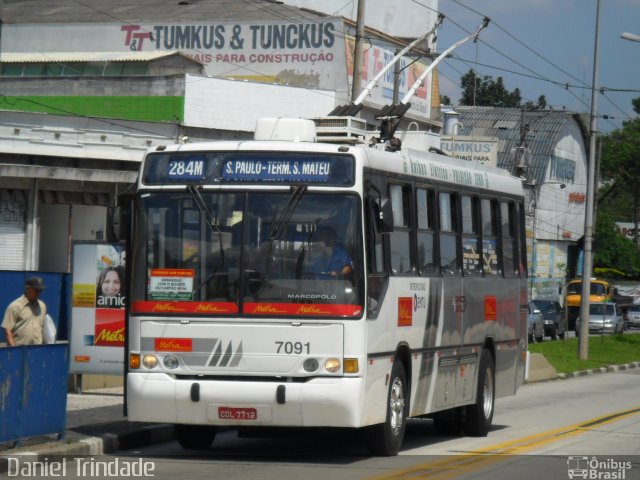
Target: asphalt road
(548, 430)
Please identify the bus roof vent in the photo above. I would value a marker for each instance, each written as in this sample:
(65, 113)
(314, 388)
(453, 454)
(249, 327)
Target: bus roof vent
(286, 129)
(340, 129)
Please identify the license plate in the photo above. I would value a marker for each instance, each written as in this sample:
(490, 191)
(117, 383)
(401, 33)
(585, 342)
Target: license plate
(237, 413)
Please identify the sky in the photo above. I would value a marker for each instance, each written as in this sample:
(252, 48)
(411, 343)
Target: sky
(543, 45)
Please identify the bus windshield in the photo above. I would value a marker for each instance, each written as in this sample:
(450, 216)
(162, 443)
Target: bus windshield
(287, 253)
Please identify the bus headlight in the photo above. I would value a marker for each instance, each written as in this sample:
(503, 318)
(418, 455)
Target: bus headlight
(170, 362)
(149, 361)
(332, 365)
(310, 365)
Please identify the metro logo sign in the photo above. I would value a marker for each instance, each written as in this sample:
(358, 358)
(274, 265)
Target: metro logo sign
(490, 309)
(405, 311)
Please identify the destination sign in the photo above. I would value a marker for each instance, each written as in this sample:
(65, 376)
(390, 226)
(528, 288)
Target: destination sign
(211, 168)
(186, 169)
(312, 171)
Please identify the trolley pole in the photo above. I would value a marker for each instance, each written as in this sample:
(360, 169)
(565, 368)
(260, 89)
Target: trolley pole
(357, 54)
(588, 222)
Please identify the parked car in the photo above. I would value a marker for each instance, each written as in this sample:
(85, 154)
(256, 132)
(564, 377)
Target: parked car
(603, 318)
(633, 316)
(536, 324)
(553, 316)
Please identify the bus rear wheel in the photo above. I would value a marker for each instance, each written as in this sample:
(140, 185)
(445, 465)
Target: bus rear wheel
(478, 417)
(385, 439)
(195, 437)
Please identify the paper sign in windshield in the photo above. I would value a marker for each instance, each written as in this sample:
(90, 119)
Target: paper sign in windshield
(171, 284)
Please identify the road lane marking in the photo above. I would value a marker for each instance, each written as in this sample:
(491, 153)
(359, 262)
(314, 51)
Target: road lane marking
(454, 466)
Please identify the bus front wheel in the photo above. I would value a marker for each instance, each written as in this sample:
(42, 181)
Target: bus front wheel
(386, 438)
(478, 417)
(195, 437)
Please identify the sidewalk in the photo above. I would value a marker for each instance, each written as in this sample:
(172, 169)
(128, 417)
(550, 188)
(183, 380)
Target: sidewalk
(95, 425)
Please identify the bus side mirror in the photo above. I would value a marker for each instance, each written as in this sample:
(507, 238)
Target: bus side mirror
(117, 224)
(385, 216)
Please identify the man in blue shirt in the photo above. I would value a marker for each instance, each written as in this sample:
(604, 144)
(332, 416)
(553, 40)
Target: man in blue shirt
(328, 259)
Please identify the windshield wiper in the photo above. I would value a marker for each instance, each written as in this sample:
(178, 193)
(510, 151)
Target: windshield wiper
(281, 222)
(202, 206)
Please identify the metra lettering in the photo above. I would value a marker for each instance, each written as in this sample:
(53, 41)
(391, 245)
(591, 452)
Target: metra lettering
(267, 309)
(311, 310)
(172, 345)
(205, 307)
(166, 307)
(313, 35)
(109, 336)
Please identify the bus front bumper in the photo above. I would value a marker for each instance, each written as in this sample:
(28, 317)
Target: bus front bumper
(326, 401)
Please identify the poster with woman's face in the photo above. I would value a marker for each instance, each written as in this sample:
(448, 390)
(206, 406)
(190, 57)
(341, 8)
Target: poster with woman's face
(98, 308)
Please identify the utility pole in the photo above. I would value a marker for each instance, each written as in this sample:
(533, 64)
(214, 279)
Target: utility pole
(357, 54)
(588, 220)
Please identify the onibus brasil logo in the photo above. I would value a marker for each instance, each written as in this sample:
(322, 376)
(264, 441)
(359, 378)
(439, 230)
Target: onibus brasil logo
(596, 469)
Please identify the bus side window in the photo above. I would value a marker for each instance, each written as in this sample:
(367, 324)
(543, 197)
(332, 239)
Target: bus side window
(375, 252)
(399, 239)
(425, 227)
(509, 241)
(490, 264)
(449, 259)
(522, 264)
(470, 236)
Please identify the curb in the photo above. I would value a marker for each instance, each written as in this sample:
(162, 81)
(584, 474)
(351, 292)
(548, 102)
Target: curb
(610, 368)
(104, 444)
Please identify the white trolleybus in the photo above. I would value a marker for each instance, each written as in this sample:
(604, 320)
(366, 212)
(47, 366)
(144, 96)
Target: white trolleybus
(300, 284)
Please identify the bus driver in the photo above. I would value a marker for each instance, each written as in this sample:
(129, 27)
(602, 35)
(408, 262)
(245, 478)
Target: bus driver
(327, 258)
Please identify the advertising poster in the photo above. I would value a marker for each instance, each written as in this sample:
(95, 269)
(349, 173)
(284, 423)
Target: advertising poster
(98, 308)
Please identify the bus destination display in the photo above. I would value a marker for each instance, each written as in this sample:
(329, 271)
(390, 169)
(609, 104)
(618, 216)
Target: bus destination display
(316, 171)
(246, 168)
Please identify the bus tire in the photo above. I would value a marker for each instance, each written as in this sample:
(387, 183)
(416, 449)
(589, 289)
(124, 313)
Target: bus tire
(385, 439)
(195, 437)
(478, 417)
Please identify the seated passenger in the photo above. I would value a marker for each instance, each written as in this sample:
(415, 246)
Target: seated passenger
(327, 259)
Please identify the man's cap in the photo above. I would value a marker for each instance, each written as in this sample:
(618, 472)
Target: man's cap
(34, 282)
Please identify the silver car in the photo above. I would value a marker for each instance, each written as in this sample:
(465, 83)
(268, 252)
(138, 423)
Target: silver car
(536, 324)
(603, 318)
(633, 316)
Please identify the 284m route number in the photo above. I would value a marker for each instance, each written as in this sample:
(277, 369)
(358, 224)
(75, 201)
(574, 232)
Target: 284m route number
(293, 347)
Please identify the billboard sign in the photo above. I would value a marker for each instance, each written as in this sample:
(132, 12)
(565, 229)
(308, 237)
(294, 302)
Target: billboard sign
(97, 308)
(482, 150)
(306, 53)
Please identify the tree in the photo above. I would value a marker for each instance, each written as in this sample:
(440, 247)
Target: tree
(619, 199)
(487, 92)
(614, 251)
